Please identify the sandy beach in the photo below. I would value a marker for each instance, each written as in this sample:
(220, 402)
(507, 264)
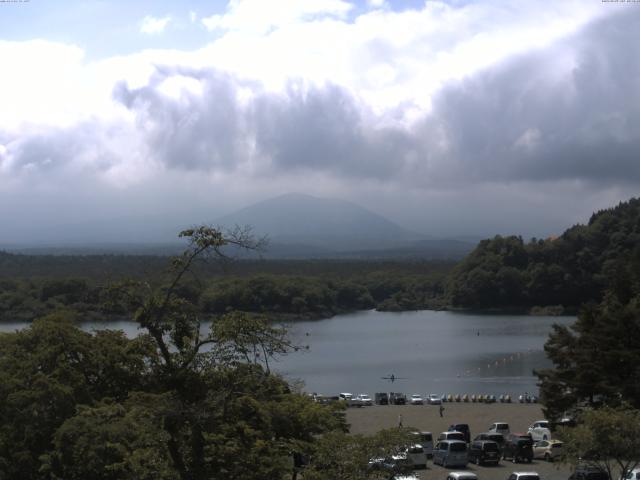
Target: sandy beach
(479, 416)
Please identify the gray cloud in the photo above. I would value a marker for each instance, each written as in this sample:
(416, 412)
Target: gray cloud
(571, 111)
(191, 132)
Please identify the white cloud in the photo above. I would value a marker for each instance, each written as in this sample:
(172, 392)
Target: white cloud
(376, 3)
(152, 25)
(193, 16)
(259, 17)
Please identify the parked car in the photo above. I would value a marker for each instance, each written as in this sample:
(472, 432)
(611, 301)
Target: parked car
(417, 455)
(632, 475)
(382, 398)
(345, 396)
(518, 448)
(425, 439)
(416, 400)
(452, 436)
(500, 427)
(494, 437)
(524, 476)
(397, 398)
(540, 430)
(434, 399)
(547, 449)
(364, 399)
(450, 453)
(462, 476)
(461, 427)
(589, 472)
(483, 452)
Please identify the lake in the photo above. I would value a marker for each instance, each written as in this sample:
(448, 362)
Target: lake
(433, 352)
(428, 351)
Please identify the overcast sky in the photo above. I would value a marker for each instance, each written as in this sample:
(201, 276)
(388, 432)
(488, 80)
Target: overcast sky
(124, 120)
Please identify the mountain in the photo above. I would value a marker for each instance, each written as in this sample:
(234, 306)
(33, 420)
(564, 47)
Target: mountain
(321, 224)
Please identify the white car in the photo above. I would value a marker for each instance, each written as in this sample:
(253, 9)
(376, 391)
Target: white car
(500, 427)
(416, 400)
(434, 399)
(524, 476)
(364, 399)
(462, 476)
(539, 430)
(632, 475)
(417, 455)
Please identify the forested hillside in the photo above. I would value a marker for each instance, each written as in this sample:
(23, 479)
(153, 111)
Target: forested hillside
(575, 268)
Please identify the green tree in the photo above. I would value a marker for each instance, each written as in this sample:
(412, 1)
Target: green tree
(606, 438)
(178, 402)
(339, 456)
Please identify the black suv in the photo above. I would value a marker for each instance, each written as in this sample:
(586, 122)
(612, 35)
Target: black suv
(518, 448)
(461, 427)
(493, 436)
(589, 472)
(397, 398)
(381, 398)
(484, 451)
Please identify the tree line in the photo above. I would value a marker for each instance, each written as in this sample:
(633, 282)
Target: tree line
(568, 271)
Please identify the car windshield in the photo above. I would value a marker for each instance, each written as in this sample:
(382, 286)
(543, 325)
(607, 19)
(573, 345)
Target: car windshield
(524, 443)
(490, 447)
(427, 437)
(458, 447)
(528, 477)
(416, 449)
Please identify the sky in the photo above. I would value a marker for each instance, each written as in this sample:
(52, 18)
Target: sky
(125, 121)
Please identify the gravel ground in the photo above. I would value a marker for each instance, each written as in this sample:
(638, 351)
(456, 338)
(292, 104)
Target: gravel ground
(478, 415)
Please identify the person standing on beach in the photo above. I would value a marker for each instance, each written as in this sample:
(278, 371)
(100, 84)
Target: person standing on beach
(400, 421)
(441, 410)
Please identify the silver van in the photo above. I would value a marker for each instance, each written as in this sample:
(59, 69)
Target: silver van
(450, 453)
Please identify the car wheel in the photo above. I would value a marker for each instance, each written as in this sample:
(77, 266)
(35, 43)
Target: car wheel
(547, 457)
(544, 437)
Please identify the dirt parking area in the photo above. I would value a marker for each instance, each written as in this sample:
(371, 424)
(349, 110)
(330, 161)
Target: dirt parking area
(479, 416)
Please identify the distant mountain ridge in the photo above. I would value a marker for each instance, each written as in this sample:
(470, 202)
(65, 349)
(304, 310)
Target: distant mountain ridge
(329, 224)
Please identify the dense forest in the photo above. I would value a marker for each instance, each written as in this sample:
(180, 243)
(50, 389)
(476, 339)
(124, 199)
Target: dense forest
(567, 271)
(33, 286)
(554, 275)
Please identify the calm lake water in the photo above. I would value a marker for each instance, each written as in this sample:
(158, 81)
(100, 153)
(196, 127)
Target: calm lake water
(431, 352)
(434, 352)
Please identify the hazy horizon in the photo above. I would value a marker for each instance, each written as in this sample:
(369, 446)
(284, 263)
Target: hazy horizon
(126, 121)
